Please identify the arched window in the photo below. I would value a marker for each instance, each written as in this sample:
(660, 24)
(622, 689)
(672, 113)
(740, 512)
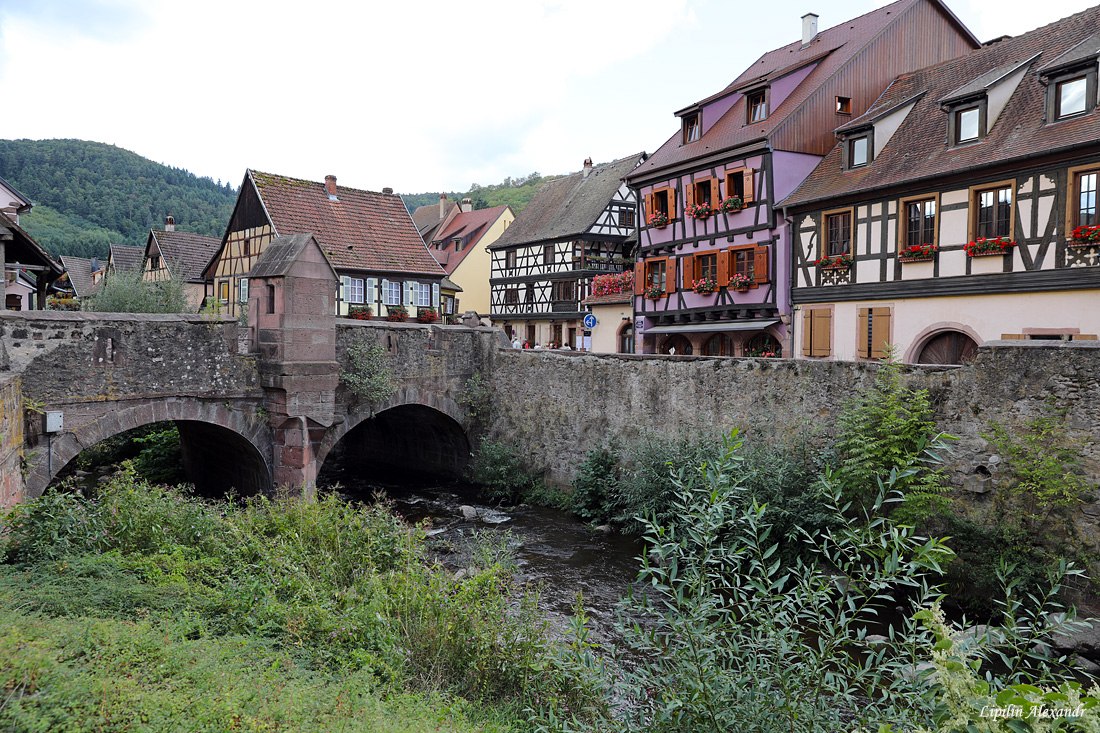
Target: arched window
(763, 344)
(626, 338)
(948, 347)
(720, 344)
(680, 343)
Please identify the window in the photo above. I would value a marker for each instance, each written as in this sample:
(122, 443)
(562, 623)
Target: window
(154, 262)
(920, 222)
(660, 201)
(224, 294)
(353, 289)
(838, 233)
(742, 262)
(563, 290)
(626, 218)
(844, 105)
(817, 331)
(1083, 203)
(548, 254)
(874, 333)
(741, 182)
(758, 106)
(510, 259)
(424, 297)
(626, 338)
(449, 305)
(967, 125)
(242, 290)
(271, 297)
(511, 296)
(992, 212)
(702, 192)
(720, 344)
(858, 152)
(706, 267)
(763, 344)
(391, 292)
(691, 128)
(1071, 97)
(458, 243)
(655, 275)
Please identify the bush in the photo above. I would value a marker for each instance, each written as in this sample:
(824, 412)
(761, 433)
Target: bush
(126, 292)
(501, 472)
(160, 460)
(595, 483)
(369, 375)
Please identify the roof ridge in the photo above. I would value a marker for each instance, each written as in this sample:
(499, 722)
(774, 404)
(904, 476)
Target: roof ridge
(322, 183)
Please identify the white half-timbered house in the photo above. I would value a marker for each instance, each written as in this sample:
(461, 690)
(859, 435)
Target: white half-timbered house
(946, 216)
(575, 228)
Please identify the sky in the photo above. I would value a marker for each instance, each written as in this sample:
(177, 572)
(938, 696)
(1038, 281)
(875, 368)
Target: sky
(418, 95)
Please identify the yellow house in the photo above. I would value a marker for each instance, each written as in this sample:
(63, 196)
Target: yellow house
(461, 246)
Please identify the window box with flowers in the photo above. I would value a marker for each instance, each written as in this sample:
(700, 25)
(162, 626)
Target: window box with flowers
(654, 292)
(360, 312)
(699, 211)
(658, 220)
(731, 205)
(613, 284)
(396, 313)
(740, 282)
(706, 286)
(836, 262)
(988, 246)
(427, 315)
(1085, 237)
(918, 253)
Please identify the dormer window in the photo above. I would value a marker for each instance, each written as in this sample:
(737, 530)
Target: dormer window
(1070, 96)
(858, 148)
(758, 105)
(1071, 81)
(858, 152)
(966, 123)
(691, 128)
(457, 243)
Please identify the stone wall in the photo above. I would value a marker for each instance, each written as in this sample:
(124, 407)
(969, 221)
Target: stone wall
(11, 440)
(558, 405)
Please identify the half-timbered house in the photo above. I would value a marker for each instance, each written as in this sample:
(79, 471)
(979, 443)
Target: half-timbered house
(368, 237)
(574, 228)
(961, 208)
(174, 255)
(713, 273)
(462, 248)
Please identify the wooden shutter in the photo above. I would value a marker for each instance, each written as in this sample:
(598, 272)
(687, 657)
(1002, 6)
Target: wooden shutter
(369, 296)
(880, 332)
(385, 292)
(760, 265)
(670, 275)
(410, 293)
(671, 203)
(749, 183)
(807, 333)
(715, 197)
(435, 296)
(689, 195)
(818, 333)
(862, 348)
(723, 269)
(639, 277)
(648, 207)
(687, 264)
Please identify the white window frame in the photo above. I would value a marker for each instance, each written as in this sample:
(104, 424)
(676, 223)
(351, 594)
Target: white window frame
(353, 290)
(391, 292)
(242, 290)
(424, 296)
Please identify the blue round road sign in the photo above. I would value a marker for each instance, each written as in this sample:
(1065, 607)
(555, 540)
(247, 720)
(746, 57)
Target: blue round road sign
(590, 321)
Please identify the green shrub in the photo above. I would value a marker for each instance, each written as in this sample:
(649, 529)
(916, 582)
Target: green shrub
(160, 459)
(124, 291)
(502, 473)
(595, 483)
(369, 375)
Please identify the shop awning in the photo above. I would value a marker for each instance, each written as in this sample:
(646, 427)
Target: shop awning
(716, 326)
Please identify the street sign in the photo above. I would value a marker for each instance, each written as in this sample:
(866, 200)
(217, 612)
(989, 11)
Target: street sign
(590, 321)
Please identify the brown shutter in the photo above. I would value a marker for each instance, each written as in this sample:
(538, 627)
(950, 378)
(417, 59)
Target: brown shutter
(807, 333)
(688, 264)
(880, 332)
(648, 207)
(671, 203)
(760, 265)
(723, 269)
(822, 332)
(749, 185)
(670, 275)
(862, 334)
(689, 195)
(715, 197)
(639, 277)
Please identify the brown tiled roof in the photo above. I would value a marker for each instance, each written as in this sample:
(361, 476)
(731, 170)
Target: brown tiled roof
(126, 258)
(918, 149)
(610, 299)
(568, 206)
(471, 226)
(79, 270)
(185, 254)
(363, 230)
(831, 48)
(23, 249)
(426, 218)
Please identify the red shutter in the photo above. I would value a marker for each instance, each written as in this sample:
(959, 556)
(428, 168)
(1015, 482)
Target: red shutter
(760, 265)
(880, 332)
(723, 269)
(639, 277)
(750, 184)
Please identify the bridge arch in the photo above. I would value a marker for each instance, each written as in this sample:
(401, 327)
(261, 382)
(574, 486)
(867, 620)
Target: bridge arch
(224, 445)
(413, 430)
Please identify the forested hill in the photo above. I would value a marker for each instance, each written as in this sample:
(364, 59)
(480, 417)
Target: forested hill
(514, 192)
(89, 195)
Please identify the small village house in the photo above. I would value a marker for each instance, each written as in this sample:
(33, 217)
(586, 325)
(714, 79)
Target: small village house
(461, 247)
(22, 257)
(181, 256)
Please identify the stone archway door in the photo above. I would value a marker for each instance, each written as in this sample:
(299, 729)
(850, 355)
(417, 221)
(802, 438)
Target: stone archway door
(948, 347)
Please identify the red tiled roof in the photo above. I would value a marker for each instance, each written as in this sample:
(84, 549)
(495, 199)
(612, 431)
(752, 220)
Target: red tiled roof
(831, 49)
(918, 149)
(426, 218)
(185, 254)
(472, 226)
(363, 230)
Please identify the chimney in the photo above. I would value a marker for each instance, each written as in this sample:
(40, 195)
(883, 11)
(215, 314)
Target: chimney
(95, 264)
(169, 223)
(330, 187)
(442, 205)
(587, 167)
(809, 28)
(467, 205)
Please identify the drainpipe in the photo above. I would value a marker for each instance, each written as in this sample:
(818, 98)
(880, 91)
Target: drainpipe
(790, 283)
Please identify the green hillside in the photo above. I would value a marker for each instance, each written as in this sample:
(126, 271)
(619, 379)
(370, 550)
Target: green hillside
(88, 195)
(510, 192)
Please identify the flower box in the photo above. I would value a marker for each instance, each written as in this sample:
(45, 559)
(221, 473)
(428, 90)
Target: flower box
(653, 292)
(396, 313)
(983, 247)
(918, 253)
(699, 211)
(740, 282)
(836, 262)
(360, 313)
(1084, 237)
(706, 286)
(427, 315)
(658, 220)
(731, 205)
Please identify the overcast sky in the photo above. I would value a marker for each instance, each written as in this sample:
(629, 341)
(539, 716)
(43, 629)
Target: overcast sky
(417, 95)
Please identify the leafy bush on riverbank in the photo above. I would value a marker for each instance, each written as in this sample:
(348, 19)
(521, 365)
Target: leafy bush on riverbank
(323, 595)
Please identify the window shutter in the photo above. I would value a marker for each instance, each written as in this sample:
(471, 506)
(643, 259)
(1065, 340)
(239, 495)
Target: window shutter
(689, 195)
(410, 293)
(823, 322)
(639, 277)
(880, 332)
(670, 275)
(385, 291)
(760, 265)
(723, 269)
(807, 333)
(862, 348)
(369, 296)
(648, 207)
(344, 289)
(715, 197)
(749, 184)
(671, 203)
(435, 295)
(687, 264)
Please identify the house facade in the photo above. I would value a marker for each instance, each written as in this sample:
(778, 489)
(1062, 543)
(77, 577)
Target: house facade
(714, 265)
(574, 228)
(174, 255)
(368, 237)
(461, 247)
(21, 257)
(961, 208)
